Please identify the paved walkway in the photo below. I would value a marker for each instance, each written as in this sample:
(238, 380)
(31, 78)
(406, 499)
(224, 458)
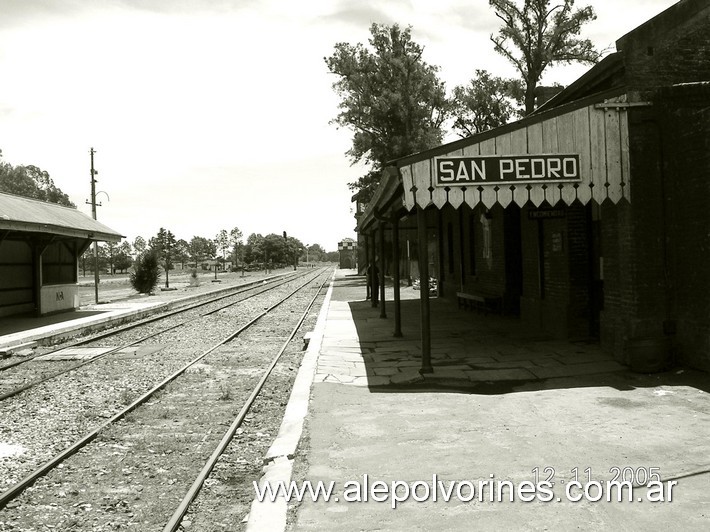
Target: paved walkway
(466, 347)
(501, 404)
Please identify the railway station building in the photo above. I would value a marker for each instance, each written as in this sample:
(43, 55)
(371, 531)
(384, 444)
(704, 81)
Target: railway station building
(586, 219)
(40, 247)
(347, 253)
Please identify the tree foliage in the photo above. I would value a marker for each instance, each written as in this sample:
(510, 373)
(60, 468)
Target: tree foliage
(31, 182)
(200, 249)
(253, 248)
(390, 98)
(235, 242)
(181, 251)
(315, 253)
(146, 273)
(538, 34)
(221, 241)
(163, 245)
(486, 102)
(139, 245)
(122, 259)
(272, 248)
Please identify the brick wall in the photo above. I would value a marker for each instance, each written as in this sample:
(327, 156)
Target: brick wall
(674, 47)
(617, 240)
(685, 113)
(654, 249)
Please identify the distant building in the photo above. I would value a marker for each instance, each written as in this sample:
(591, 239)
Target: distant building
(347, 249)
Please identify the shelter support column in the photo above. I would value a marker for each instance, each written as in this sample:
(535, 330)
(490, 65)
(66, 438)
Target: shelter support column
(383, 311)
(395, 278)
(423, 258)
(37, 277)
(372, 277)
(368, 261)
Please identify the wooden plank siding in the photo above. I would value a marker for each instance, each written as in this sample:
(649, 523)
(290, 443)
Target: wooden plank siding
(408, 183)
(599, 136)
(488, 194)
(455, 197)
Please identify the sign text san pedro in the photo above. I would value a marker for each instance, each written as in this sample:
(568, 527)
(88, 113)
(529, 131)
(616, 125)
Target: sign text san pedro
(512, 169)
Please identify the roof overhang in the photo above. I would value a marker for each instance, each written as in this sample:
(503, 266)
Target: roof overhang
(48, 229)
(573, 153)
(386, 203)
(20, 215)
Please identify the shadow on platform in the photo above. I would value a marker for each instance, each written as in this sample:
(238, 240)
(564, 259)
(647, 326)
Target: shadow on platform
(489, 354)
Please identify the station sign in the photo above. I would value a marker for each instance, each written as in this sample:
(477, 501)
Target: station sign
(511, 170)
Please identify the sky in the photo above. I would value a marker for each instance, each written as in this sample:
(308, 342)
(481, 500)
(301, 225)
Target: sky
(214, 114)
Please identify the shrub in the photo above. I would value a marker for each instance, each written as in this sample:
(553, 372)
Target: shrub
(146, 273)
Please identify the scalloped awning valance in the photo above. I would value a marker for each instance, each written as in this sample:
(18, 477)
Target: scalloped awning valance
(581, 155)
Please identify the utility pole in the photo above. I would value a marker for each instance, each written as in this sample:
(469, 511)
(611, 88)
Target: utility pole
(93, 214)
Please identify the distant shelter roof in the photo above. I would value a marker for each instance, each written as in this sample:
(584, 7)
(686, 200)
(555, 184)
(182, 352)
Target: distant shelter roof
(32, 216)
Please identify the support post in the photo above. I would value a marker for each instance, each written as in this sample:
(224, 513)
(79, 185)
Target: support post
(93, 215)
(395, 278)
(423, 245)
(374, 293)
(368, 281)
(383, 310)
(462, 260)
(37, 278)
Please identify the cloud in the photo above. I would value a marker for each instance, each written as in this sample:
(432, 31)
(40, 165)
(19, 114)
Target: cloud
(21, 12)
(360, 14)
(188, 6)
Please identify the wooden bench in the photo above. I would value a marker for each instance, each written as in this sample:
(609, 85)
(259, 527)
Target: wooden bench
(478, 302)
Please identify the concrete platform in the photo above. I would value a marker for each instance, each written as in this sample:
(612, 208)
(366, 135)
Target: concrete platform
(502, 406)
(23, 332)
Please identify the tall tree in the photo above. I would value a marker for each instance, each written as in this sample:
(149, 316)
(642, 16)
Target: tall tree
(111, 249)
(253, 250)
(163, 245)
(537, 34)
(276, 249)
(390, 98)
(235, 242)
(31, 182)
(486, 102)
(222, 243)
(122, 259)
(139, 246)
(201, 248)
(182, 252)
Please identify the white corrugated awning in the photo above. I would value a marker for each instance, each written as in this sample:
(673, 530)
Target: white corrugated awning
(27, 215)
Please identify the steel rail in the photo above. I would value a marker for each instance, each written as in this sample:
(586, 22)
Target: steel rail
(18, 488)
(189, 306)
(34, 383)
(174, 522)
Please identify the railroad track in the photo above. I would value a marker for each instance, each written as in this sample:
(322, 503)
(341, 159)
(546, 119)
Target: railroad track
(118, 461)
(12, 374)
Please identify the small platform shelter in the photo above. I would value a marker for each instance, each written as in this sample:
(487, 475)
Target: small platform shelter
(347, 253)
(587, 219)
(40, 247)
